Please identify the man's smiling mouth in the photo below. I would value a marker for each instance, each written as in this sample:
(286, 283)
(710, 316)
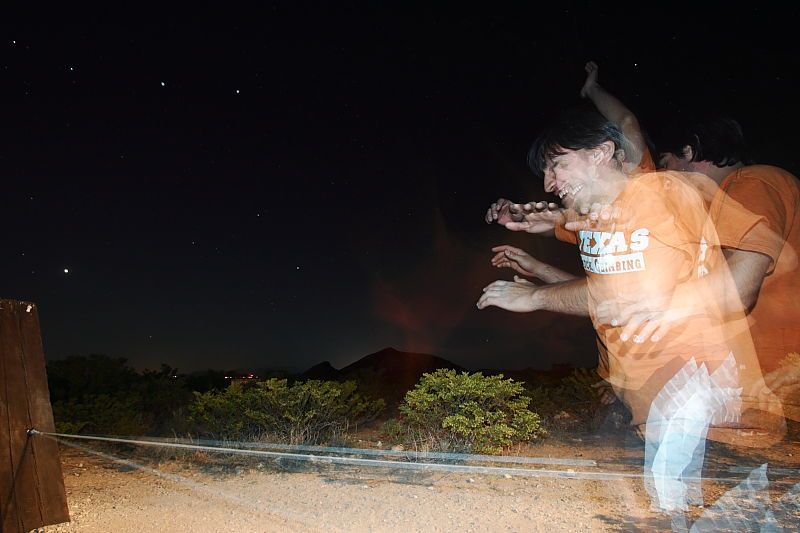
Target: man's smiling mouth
(569, 191)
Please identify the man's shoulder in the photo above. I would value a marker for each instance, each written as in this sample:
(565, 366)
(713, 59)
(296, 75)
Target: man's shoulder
(770, 176)
(671, 186)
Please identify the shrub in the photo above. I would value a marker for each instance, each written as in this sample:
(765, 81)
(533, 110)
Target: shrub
(305, 412)
(100, 394)
(99, 414)
(452, 411)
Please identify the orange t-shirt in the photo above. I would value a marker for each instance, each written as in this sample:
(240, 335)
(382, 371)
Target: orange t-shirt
(664, 241)
(774, 194)
(659, 246)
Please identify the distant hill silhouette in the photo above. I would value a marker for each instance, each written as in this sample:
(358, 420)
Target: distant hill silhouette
(323, 371)
(386, 374)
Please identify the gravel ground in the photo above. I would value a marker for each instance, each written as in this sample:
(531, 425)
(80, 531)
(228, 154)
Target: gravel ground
(221, 494)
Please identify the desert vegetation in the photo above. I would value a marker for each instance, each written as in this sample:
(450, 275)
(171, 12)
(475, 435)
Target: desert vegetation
(446, 410)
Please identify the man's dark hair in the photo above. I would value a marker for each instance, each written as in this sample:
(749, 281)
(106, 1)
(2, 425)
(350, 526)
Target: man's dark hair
(576, 129)
(717, 139)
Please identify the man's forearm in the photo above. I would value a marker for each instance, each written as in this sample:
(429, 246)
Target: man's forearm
(748, 270)
(618, 113)
(568, 297)
(551, 274)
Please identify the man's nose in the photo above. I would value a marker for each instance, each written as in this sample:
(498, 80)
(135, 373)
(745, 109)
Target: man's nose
(549, 182)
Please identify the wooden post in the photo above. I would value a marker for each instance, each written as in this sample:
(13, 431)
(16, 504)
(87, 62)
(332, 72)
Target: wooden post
(32, 491)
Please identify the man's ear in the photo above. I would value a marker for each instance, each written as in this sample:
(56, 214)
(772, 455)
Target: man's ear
(604, 152)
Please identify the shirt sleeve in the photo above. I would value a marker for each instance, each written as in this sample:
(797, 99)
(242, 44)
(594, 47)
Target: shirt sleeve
(757, 228)
(563, 234)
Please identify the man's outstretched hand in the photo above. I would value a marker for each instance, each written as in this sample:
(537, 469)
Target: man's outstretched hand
(537, 217)
(507, 256)
(516, 296)
(504, 211)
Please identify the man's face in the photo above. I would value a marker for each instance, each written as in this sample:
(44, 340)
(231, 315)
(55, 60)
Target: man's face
(570, 175)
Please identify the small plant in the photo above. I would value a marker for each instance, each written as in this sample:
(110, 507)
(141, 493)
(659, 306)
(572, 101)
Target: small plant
(467, 412)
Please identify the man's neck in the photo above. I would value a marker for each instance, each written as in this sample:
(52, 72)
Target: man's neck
(720, 173)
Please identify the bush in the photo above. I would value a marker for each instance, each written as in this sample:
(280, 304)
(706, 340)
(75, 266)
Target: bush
(305, 412)
(99, 414)
(467, 412)
(100, 394)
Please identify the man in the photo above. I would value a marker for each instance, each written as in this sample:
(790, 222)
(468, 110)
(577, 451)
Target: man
(688, 384)
(763, 263)
(766, 271)
(580, 159)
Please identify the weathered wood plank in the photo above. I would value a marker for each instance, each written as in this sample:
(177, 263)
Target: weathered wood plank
(31, 480)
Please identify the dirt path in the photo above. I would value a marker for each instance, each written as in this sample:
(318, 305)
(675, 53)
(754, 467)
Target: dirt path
(105, 496)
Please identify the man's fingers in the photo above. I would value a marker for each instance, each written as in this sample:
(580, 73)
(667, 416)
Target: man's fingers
(662, 331)
(645, 333)
(517, 226)
(489, 298)
(625, 313)
(503, 247)
(577, 225)
(483, 301)
(630, 330)
(495, 285)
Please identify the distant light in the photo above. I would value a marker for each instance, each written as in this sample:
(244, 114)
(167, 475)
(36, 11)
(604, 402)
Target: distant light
(237, 91)
(163, 84)
(66, 271)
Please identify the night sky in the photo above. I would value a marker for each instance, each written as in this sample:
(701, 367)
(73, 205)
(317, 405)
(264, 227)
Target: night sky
(274, 188)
